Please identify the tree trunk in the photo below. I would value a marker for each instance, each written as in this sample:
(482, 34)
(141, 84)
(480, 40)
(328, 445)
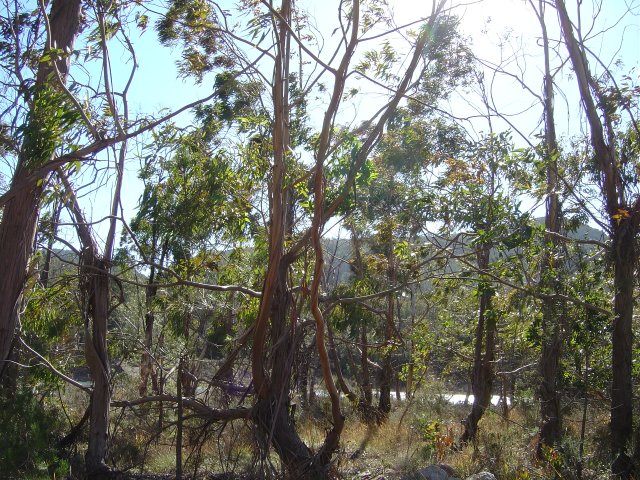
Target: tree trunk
(552, 310)
(274, 328)
(17, 233)
(303, 377)
(342, 383)
(162, 382)
(624, 254)
(623, 223)
(96, 304)
(179, 425)
(147, 369)
(19, 219)
(313, 371)
(95, 294)
(273, 405)
(365, 402)
(386, 374)
(504, 397)
(549, 368)
(410, 368)
(272, 367)
(483, 371)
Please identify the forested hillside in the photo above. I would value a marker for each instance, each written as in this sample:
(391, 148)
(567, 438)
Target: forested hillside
(303, 240)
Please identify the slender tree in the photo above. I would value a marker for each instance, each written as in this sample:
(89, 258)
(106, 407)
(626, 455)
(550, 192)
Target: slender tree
(46, 123)
(273, 383)
(552, 309)
(95, 294)
(623, 215)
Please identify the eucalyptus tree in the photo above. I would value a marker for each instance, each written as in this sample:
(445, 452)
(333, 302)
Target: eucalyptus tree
(192, 197)
(49, 116)
(277, 37)
(416, 141)
(275, 299)
(556, 183)
(55, 114)
(49, 125)
(551, 263)
(385, 201)
(605, 105)
(482, 221)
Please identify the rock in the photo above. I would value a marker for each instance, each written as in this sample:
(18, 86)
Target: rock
(433, 472)
(482, 476)
(448, 469)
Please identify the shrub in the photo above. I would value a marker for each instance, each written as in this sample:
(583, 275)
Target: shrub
(29, 433)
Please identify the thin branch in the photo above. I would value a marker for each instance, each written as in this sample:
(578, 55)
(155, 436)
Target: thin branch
(202, 410)
(54, 370)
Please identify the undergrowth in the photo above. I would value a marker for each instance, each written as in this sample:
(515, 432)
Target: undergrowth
(418, 433)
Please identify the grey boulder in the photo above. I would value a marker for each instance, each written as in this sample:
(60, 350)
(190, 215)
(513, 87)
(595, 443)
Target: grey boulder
(434, 472)
(482, 476)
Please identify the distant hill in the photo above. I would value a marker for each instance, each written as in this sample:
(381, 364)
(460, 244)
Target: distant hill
(339, 252)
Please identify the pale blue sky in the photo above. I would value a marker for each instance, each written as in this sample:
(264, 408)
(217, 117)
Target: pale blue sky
(489, 23)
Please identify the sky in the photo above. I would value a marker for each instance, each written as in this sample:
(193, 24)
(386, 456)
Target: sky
(501, 31)
(489, 24)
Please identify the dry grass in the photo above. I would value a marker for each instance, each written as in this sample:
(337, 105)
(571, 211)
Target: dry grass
(416, 435)
(426, 434)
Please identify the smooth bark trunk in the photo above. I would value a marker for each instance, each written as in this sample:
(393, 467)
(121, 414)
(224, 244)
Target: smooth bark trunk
(365, 402)
(147, 369)
(272, 370)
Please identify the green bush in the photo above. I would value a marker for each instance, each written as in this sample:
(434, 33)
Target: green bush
(29, 433)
